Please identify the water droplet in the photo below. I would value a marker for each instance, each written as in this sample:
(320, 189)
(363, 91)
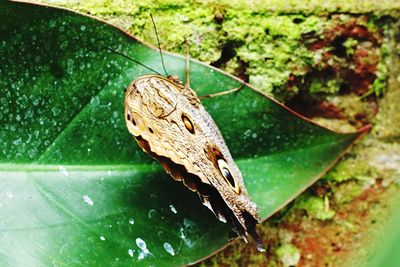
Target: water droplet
(142, 245)
(188, 224)
(52, 23)
(32, 152)
(102, 238)
(182, 233)
(160, 234)
(36, 102)
(187, 232)
(247, 133)
(173, 209)
(9, 194)
(56, 111)
(254, 135)
(169, 248)
(141, 255)
(64, 45)
(131, 221)
(130, 252)
(63, 170)
(17, 142)
(88, 200)
(29, 113)
(83, 28)
(152, 213)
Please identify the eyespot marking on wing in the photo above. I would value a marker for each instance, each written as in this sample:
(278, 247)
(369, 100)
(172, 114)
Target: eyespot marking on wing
(188, 123)
(227, 174)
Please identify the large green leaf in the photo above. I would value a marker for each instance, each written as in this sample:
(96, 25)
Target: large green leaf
(75, 189)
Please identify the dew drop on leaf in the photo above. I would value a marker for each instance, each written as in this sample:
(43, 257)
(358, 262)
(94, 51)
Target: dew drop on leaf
(63, 170)
(173, 209)
(17, 142)
(88, 200)
(168, 248)
(151, 214)
(9, 194)
(130, 252)
(142, 245)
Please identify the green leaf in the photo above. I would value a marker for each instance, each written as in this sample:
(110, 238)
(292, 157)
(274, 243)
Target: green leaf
(75, 189)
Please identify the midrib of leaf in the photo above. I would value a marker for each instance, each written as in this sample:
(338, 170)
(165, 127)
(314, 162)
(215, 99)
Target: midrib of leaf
(20, 168)
(37, 167)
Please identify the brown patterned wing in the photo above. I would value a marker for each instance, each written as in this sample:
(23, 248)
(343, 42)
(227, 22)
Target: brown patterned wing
(169, 123)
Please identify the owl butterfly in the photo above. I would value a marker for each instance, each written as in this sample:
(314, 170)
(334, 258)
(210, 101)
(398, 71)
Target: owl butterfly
(169, 122)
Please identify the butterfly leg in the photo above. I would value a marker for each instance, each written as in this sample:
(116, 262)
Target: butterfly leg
(237, 89)
(187, 85)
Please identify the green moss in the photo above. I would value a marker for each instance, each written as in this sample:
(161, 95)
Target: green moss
(380, 84)
(350, 169)
(315, 207)
(302, 7)
(288, 254)
(346, 192)
(265, 46)
(351, 45)
(329, 86)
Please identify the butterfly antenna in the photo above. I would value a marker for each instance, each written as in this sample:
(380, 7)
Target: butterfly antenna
(159, 45)
(131, 59)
